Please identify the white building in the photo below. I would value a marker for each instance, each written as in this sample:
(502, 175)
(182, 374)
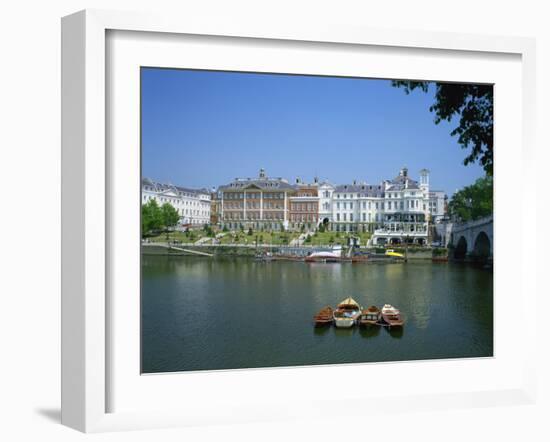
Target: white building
(437, 205)
(193, 205)
(395, 211)
(357, 207)
(326, 191)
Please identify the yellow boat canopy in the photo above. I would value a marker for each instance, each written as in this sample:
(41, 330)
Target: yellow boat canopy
(349, 301)
(392, 253)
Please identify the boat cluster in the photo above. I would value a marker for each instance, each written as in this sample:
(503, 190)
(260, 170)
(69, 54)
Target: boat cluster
(349, 312)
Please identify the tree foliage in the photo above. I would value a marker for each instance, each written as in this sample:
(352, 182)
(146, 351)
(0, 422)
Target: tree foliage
(151, 217)
(170, 215)
(473, 202)
(156, 218)
(472, 104)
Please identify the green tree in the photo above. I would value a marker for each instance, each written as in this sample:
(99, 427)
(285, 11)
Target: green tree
(474, 201)
(472, 104)
(170, 215)
(208, 230)
(151, 217)
(250, 232)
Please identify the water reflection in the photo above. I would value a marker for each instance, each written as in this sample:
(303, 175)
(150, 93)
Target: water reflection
(201, 313)
(369, 332)
(395, 332)
(320, 331)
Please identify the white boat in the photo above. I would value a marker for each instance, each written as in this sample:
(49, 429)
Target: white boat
(334, 256)
(347, 313)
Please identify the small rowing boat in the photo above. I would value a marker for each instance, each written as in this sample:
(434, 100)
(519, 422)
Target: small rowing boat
(370, 316)
(346, 313)
(391, 316)
(324, 317)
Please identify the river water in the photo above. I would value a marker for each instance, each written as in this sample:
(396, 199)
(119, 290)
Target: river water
(208, 314)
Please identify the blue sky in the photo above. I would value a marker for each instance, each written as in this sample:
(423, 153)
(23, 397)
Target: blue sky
(203, 128)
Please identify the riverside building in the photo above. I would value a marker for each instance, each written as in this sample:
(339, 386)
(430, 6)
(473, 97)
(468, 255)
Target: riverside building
(404, 210)
(261, 202)
(193, 205)
(394, 211)
(304, 206)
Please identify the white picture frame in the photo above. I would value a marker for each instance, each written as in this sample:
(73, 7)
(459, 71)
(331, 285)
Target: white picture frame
(86, 315)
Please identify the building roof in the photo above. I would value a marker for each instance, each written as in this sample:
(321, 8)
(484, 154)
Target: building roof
(164, 187)
(263, 182)
(267, 184)
(403, 181)
(363, 188)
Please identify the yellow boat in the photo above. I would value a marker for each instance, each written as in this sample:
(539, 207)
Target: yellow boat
(390, 252)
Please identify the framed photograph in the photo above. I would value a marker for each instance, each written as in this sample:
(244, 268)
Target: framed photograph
(261, 221)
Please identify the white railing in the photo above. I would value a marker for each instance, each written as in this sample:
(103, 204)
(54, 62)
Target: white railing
(400, 232)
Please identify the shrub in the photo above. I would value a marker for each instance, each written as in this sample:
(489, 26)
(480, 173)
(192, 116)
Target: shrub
(439, 251)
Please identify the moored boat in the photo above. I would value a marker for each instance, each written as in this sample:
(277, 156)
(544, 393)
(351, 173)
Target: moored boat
(335, 255)
(391, 316)
(370, 316)
(264, 257)
(322, 257)
(346, 313)
(324, 317)
(394, 254)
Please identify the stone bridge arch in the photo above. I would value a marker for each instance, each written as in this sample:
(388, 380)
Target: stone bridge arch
(461, 248)
(482, 246)
(473, 239)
